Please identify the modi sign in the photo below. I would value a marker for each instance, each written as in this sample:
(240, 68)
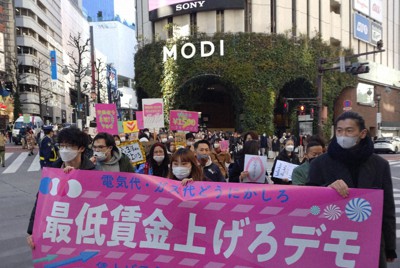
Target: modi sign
(112, 219)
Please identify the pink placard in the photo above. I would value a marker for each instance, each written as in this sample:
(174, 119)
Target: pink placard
(224, 145)
(106, 219)
(107, 118)
(139, 119)
(184, 121)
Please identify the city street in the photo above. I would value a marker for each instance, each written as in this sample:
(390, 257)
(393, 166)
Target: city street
(19, 182)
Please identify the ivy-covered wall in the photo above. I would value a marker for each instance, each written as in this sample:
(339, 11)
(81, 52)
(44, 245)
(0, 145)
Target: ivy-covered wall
(255, 66)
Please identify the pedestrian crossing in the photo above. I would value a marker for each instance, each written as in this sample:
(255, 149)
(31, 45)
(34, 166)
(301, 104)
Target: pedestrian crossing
(396, 194)
(20, 162)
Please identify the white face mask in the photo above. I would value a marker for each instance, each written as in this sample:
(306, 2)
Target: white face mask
(216, 145)
(100, 156)
(289, 148)
(170, 137)
(158, 158)
(68, 154)
(189, 143)
(347, 142)
(181, 172)
(164, 140)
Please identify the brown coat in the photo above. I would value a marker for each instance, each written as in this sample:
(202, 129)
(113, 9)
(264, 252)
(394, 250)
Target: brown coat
(30, 140)
(221, 159)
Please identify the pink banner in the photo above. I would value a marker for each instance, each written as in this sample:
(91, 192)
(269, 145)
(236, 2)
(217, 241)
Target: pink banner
(139, 119)
(105, 219)
(107, 118)
(184, 121)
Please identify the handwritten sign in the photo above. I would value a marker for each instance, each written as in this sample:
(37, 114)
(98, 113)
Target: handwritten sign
(224, 145)
(139, 119)
(257, 168)
(115, 219)
(134, 150)
(107, 118)
(180, 139)
(153, 113)
(184, 121)
(283, 170)
(130, 126)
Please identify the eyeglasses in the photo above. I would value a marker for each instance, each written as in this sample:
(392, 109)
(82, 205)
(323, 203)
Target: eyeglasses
(101, 147)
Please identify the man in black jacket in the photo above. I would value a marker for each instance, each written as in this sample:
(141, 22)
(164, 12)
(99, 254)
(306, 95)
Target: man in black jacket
(351, 163)
(210, 170)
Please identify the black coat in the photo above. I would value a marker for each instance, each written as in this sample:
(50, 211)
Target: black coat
(374, 173)
(284, 157)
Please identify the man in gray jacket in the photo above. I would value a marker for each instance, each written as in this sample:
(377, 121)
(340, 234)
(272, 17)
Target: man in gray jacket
(351, 163)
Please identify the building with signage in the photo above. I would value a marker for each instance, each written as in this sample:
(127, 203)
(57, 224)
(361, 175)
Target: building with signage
(359, 25)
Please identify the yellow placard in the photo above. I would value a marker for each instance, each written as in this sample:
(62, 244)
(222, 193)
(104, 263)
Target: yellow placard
(130, 126)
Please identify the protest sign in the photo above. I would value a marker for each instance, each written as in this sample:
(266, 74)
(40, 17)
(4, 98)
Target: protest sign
(107, 118)
(184, 121)
(134, 150)
(180, 140)
(153, 113)
(283, 170)
(130, 126)
(115, 219)
(139, 119)
(224, 145)
(257, 168)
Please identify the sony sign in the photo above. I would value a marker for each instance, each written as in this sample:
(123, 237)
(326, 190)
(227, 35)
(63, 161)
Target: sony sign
(189, 5)
(188, 50)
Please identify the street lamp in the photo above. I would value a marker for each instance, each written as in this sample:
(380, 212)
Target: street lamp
(78, 74)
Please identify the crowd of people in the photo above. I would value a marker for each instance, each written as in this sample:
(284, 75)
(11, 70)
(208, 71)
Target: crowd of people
(347, 162)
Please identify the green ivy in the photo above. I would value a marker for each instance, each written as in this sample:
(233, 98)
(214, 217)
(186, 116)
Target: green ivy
(255, 68)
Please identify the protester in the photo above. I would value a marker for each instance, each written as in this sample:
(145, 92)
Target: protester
(314, 149)
(276, 146)
(184, 167)
(3, 140)
(9, 131)
(72, 146)
(190, 141)
(117, 140)
(107, 156)
(351, 163)
(220, 158)
(157, 161)
(211, 171)
(48, 150)
(263, 144)
(250, 135)
(236, 169)
(30, 140)
(286, 155)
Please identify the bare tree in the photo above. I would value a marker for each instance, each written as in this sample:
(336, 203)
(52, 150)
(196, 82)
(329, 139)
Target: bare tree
(42, 64)
(13, 78)
(81, 47)
(100, 67)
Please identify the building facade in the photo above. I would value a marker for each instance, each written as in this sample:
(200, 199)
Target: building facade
(358, 25)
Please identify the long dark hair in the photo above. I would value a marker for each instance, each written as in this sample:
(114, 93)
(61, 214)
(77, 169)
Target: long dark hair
(158, 168)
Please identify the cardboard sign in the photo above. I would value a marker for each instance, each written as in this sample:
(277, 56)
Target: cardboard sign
(134, 150)
(107, 118)
(115, 219)
(184, 121)
(257, 168)
(180, 140)
(153, 113)
(130, 126)
(283, 170)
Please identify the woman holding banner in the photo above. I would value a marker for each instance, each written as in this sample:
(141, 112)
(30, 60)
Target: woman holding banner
(286, 155)
(184, 167)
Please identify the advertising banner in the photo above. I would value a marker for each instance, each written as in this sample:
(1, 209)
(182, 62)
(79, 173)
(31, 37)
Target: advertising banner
(362, 6)
(53, 64)
(184, 121)
(111, 219)
(376, 10)
(376, 33)
(107, 118)
(362, 28)
(153, 113)
(163, 8)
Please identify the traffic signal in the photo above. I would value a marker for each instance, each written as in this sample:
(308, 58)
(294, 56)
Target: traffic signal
(302, 109)
(285, 106)
(357, 68)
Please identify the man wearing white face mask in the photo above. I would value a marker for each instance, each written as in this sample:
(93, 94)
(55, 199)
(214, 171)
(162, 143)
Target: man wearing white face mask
(107, 156)
(351, 163)
(72, 143)
(286, 155)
